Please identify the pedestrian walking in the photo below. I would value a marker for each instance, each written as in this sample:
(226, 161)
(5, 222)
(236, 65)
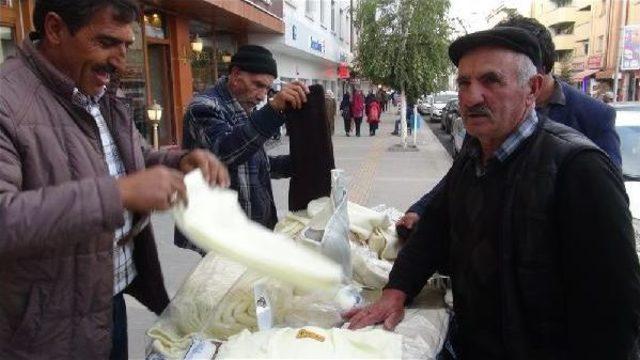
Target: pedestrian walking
(330, 105)
(357, 109)
(373, 117)
(345, 111)
(77, 186)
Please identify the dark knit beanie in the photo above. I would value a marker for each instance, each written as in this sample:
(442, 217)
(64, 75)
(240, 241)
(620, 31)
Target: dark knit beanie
(255, 59)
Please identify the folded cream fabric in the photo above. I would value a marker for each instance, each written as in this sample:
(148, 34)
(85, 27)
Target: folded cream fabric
(214, 221)
(369, 227)
(313, 343)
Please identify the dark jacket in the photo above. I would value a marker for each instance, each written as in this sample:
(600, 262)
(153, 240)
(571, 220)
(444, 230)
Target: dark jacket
(59, 209)
(593, 118)
(545, 267)
(345, 107)
(589, 116)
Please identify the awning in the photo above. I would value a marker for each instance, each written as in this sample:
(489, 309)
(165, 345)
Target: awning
(583, 74)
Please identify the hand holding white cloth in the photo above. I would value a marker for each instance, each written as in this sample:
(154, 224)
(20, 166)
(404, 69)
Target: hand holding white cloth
(214, 221)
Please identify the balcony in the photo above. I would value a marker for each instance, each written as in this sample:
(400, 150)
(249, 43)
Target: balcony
(560, 15)
(564, 42)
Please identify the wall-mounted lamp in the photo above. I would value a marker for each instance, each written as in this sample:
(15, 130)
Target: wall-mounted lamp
(197, 45)
(154, 112)
(226, 57)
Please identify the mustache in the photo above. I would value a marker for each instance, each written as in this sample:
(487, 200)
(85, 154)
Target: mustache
(478, 110)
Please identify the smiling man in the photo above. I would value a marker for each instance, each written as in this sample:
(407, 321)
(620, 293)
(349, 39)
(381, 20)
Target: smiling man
(223, 120)
(75, 190)
(532, 224)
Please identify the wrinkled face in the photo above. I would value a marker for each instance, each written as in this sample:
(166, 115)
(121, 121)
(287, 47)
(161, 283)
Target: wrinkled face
(95, 51)
(492, 103)
(248, 88)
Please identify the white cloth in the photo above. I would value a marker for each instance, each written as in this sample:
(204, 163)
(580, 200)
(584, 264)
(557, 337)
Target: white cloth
(213, 220)
(313, 343)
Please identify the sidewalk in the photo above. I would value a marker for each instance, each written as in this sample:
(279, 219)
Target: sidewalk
(376, 176)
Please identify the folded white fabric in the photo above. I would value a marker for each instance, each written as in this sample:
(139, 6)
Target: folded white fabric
(313, 343)
(214, 221)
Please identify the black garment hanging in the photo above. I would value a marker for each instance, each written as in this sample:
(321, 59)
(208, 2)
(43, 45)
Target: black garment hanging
(311, 151)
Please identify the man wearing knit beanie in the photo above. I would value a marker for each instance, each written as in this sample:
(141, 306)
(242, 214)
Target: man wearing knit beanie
(223, 119)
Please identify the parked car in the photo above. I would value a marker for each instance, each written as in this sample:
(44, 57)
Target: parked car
(440, 100)
(628, 128)
(449, 112)
(424, 105)
(457, 133)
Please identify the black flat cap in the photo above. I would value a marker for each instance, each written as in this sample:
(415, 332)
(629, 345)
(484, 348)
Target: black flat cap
(508, 37)
(255, 59)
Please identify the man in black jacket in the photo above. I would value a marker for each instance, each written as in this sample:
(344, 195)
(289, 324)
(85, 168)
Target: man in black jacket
(559, 101)
(532, 224)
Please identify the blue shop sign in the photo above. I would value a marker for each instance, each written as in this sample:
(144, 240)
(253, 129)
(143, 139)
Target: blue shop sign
(317, 45)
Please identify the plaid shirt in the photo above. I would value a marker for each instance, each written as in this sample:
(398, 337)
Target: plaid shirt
(215, 121)
(124, 270)
(509, 146)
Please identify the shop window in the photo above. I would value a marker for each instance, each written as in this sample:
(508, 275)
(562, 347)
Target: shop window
(7, 42)
(155, 25)
(133, 81)
(226, 46)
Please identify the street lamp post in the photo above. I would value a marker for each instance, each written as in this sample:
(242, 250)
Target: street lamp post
(154, 112)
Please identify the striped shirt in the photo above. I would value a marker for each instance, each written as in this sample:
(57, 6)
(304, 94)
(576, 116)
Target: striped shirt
(123, 267)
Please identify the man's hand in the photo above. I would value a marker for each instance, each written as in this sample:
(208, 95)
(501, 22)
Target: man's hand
(408, 220)
(389, 310)
(292, 95)
(155, 188)
(215, 173)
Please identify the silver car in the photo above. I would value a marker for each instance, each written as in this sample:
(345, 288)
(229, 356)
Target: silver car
(628, 128)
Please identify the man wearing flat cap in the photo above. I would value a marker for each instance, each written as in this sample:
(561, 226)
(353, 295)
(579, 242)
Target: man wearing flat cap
(223, 120)
(532, 225)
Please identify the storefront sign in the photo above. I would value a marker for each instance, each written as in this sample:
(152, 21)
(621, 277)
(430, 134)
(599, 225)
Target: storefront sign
(294, 32)
(343, 71)
(631, 52)
(594, 61)
(317, 45)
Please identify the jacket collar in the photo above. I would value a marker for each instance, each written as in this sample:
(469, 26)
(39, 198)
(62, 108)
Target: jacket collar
(58, 82)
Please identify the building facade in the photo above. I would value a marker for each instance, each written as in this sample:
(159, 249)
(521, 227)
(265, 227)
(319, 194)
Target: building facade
(317, 43)
(587, 36)
(181, 47)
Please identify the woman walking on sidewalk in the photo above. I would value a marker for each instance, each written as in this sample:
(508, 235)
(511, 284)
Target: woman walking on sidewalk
(373, 117)
(345, 110)
(357, 109)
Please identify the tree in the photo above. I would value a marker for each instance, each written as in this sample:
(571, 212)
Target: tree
(403, 44)
(565, 70)
(510, 12)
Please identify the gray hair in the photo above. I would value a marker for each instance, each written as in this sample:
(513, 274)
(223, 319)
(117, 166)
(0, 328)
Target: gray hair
(526, 70)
